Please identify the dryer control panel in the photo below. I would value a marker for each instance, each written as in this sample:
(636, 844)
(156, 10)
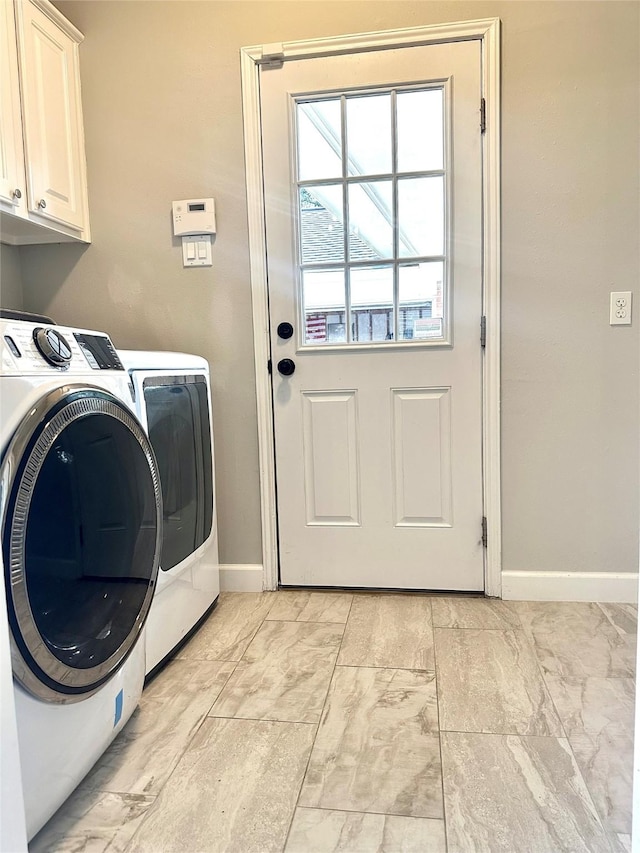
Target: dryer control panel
(29, 348)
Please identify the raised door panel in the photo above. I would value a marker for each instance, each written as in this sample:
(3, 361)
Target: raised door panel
(331, 477)
(12, 186)
(421, 444)
(52, 119)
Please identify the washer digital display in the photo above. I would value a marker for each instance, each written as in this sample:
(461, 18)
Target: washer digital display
(99, 352)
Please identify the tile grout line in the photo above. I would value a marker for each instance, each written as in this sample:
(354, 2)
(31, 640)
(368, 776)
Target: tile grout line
(313, 743)
(183, 752)
(516, 631)
(503, 734)
(260, 660)
(477, 628)
(264, 720)
(207, 716)
(309, 621)
(195, 731)
(532, 647)
(601, 819)
(394, 668)
(531, 642)
(435, 666)
(377, 814)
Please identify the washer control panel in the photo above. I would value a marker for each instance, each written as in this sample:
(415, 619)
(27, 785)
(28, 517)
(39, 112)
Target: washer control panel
(99, 351)
(32, 348)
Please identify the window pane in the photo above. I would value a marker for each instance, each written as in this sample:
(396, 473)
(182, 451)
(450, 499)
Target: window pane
(372, 303)
(370, 221)
(420, 130)
(324, 306)
(321, 228)
(369, 135)
(389, 220)
(319, 140)
(420, 301)
(421, 216)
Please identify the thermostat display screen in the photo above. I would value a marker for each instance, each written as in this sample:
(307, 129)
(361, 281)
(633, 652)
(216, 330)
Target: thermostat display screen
(199, 206)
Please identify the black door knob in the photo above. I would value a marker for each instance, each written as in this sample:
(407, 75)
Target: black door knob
(285, 330)
(286, 366)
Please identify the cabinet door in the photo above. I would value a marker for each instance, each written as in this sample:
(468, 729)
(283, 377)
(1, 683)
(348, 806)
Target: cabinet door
(12, 185)
(52, 118)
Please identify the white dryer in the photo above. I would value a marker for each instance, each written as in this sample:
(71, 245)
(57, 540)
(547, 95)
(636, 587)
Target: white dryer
(81, 513)
(173, 400)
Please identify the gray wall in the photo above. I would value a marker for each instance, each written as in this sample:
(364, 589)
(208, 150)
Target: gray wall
(10, 277)
(162, 102)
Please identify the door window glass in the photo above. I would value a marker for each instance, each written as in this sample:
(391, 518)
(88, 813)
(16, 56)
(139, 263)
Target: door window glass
(370, 220)
(388, 151)
(321, 218)
(421, 217)
(324, 305)
(319, 139)
(180, 434)
(418, 115)
(368, 121)
(420, 301)
(371, 296)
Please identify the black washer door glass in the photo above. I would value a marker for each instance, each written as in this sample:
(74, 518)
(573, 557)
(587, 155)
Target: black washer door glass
(180, 434)
(90, 542)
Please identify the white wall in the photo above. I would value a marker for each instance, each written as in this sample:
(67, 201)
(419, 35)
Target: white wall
(162, 104)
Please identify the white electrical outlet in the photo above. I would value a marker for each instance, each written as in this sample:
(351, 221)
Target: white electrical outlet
(620, 308)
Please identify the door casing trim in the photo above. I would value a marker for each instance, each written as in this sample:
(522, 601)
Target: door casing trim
(251, 58)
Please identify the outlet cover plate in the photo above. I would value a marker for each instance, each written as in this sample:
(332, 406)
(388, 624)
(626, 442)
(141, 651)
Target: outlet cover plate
(620, 308)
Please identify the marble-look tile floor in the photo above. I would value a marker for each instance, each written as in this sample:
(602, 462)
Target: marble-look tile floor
(311, 722)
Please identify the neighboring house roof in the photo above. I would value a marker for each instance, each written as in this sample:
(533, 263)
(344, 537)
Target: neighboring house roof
(322, 237)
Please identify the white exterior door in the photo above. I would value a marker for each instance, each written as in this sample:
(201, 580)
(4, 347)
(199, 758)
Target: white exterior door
(373, 195)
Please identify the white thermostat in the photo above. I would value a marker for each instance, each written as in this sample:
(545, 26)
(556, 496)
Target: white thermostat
(194, 219)
(194, 216)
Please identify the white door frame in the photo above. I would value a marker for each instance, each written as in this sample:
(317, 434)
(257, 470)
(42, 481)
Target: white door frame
(251, 58)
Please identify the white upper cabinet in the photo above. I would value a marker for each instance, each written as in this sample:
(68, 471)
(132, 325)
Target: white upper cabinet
(12, 178)
(42, 132)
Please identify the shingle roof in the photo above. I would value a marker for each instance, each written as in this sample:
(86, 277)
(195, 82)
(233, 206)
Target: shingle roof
(322, 237)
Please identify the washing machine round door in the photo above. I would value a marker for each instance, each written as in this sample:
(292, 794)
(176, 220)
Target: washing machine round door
(81, 533)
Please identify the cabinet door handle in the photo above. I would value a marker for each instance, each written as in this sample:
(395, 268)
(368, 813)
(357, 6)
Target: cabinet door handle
(17, 193)
(42, 204)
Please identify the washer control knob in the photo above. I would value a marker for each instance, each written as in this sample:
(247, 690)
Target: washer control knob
(52, 346)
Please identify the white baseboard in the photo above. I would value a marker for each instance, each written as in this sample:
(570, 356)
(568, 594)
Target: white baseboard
(237, 578)
(516, 586)
(619, 587)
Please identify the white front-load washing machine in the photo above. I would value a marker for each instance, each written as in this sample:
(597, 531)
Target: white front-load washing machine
(173, 400)
(81, 513)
